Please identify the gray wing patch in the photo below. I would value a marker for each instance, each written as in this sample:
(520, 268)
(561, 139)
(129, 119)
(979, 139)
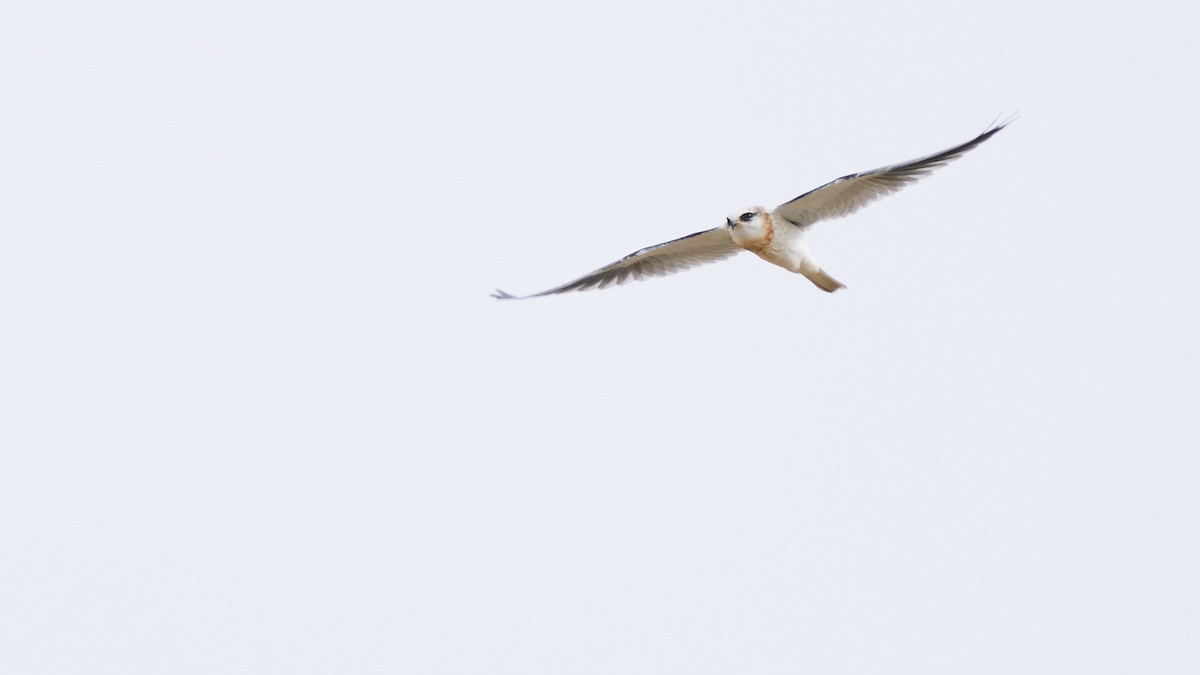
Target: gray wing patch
(850, 193)
(653, 261)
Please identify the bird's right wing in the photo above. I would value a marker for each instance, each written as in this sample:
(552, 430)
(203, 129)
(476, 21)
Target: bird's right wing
(653, 261)
(848, 194)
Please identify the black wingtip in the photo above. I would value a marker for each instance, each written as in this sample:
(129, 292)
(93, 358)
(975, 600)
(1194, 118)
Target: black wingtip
(502, 295)
(1001, 122)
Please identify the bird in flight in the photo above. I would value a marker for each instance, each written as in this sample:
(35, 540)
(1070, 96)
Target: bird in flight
(776, 236)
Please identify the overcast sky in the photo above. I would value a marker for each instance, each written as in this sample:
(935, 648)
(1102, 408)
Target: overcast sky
(259, 415)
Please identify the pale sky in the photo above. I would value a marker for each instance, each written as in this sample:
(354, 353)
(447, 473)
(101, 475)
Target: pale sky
(261, 416)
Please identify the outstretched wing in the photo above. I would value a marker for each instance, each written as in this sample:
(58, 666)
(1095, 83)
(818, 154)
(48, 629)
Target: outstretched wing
(848, 194)
(653, 261)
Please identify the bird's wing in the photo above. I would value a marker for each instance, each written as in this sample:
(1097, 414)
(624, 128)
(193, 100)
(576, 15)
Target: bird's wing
(653, 261)
(848, 194)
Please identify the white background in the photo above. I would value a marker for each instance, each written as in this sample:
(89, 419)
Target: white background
(259, 415)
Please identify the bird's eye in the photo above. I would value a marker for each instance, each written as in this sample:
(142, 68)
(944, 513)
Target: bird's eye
(746, 217)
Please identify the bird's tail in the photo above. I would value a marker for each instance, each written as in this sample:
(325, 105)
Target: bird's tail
(811, 269)
(822, 280)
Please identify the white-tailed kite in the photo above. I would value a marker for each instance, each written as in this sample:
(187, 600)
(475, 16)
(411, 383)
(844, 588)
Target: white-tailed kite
(775, 236)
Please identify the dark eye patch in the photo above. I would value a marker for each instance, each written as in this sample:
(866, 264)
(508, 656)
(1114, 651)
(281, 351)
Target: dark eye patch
(746, 217)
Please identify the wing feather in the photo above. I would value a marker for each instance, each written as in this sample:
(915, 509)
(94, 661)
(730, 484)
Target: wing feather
(850, 193)
(653, 261)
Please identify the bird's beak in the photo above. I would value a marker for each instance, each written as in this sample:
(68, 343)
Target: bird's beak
(730, 223)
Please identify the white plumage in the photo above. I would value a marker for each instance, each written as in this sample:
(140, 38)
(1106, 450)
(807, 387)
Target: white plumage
(776, 236)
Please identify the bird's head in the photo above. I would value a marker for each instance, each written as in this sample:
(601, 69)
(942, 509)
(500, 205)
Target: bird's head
(749, 226)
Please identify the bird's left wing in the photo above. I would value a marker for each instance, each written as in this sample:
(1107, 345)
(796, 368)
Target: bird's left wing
(848, 194)
(653, 261)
